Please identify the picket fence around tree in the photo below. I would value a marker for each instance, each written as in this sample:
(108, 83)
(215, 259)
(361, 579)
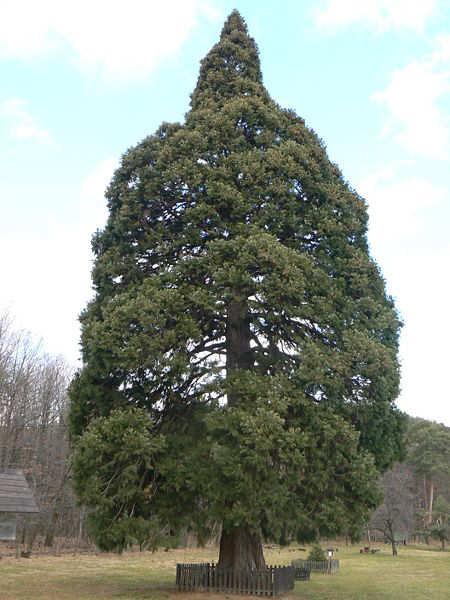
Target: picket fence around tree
(271, 581)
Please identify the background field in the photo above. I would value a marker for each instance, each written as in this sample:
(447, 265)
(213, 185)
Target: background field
(417, 573)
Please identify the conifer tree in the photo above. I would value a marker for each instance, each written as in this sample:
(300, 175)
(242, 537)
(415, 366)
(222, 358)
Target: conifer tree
(240, 354)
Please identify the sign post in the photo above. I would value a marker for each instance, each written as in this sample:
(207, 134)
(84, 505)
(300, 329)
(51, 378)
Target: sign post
(330, 553)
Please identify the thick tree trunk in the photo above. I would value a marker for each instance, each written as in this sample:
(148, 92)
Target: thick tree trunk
(241, 549)
(239, 354)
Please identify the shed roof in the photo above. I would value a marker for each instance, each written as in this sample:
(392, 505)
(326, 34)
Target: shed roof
(15, 493)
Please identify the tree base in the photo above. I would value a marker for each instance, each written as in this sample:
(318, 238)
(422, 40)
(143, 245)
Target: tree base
(241, 550)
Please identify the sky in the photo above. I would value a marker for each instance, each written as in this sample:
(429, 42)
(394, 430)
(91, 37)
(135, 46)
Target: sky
(82, 81)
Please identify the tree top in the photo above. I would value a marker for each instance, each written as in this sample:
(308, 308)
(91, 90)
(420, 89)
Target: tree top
(231, 68)
(234, 22)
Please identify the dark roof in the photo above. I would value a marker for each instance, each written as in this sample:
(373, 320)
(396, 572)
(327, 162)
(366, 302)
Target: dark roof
(15, 493)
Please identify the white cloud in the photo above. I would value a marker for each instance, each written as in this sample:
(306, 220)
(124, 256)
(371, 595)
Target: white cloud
(441, 53)
(118, 40)
(416, 119)
(381, 15)
(57, 264)
(93, 209)
(47, 285)
(21, 123)
(404, 215)
(399, 208)
(425, 290)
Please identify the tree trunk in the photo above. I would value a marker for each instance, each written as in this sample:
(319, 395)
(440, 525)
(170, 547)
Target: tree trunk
(430, 504)
(428, 492)
(50, 531)
(31, 538)
(368, 536)
(241, 549)
(239, 354)
(391, 536)
(425, 501)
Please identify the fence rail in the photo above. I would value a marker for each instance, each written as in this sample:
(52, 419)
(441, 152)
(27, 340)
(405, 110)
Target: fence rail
(271, 581)
(317, 566)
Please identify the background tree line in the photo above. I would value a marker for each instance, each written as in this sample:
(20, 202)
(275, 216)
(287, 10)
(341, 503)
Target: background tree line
(33, 433)
(416, 492)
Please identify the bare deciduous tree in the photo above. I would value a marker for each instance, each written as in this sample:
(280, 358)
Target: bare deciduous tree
(395, 517)
(33, 432)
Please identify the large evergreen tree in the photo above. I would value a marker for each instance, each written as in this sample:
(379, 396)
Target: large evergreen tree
(240, 354)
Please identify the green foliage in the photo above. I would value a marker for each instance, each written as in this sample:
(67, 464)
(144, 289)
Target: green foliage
(237, 306)
(114, 473)
(440, 529)
(441, 532)
(267, 450)
(316, 553)
(429, 448)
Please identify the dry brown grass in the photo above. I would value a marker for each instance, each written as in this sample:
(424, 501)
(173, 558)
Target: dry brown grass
(416, 574)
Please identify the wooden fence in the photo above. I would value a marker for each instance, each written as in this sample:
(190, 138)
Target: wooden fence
(302, 573)
(317, 566)
(208, 577)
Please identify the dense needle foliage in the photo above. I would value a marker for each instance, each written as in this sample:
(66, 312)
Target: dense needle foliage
(239, 327)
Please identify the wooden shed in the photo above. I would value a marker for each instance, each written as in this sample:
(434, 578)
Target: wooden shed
(15, 494)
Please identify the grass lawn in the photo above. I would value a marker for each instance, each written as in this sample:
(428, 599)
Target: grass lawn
(417, 573)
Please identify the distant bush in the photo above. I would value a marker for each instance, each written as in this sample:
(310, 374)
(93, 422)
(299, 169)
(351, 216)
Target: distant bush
(316, 553)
